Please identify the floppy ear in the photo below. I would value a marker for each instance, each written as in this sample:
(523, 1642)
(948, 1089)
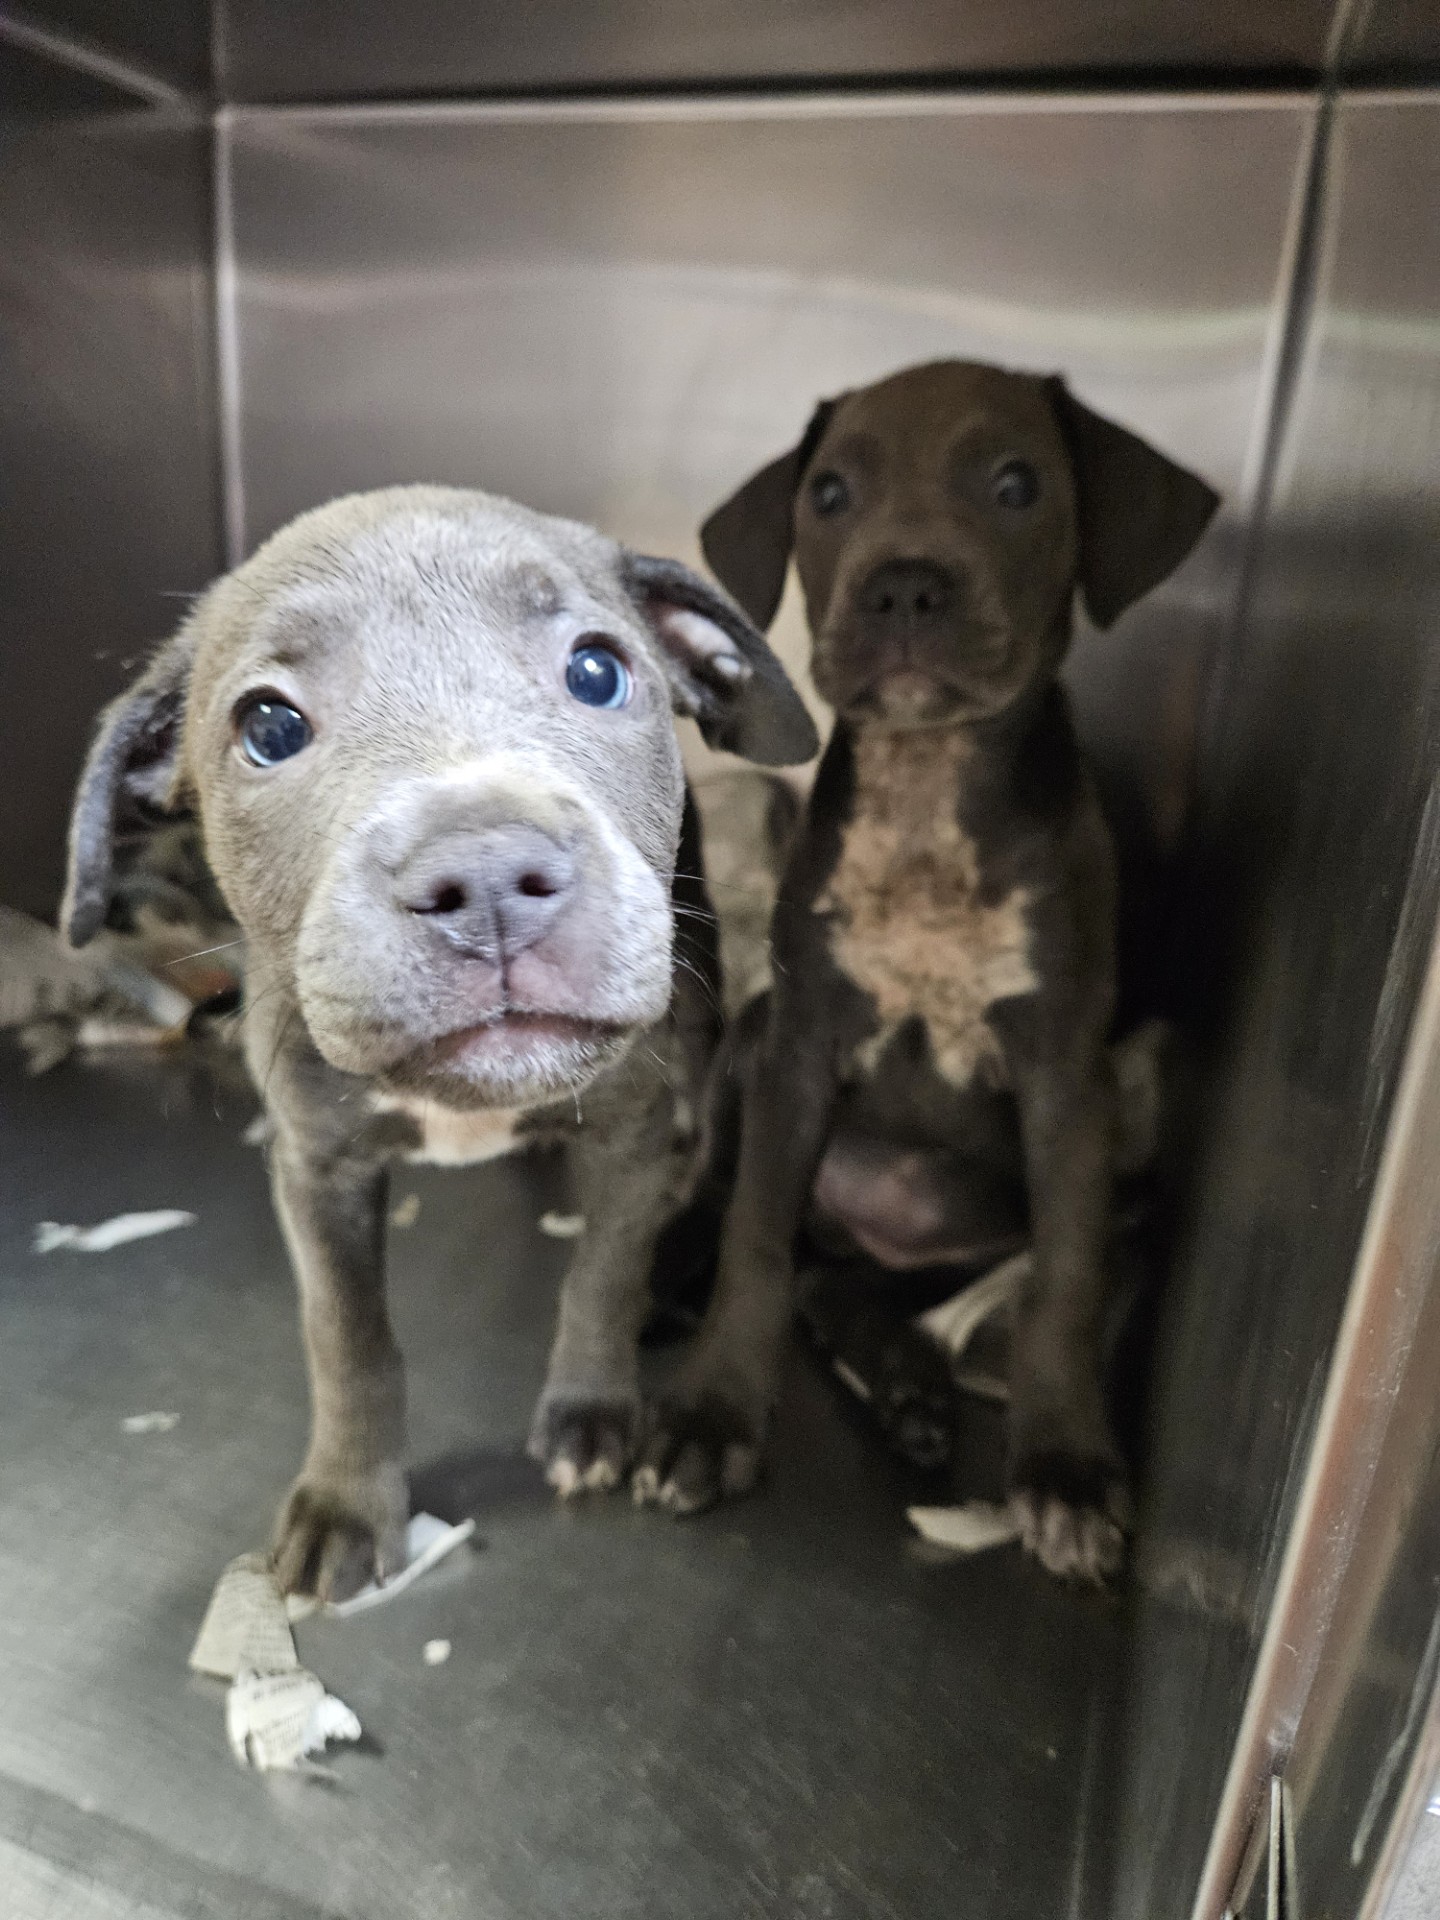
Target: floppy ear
(747, 541)
(1139, 513)
(129, 777)
(721, 670)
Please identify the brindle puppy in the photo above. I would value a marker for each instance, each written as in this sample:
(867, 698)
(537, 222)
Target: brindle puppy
(944, 939)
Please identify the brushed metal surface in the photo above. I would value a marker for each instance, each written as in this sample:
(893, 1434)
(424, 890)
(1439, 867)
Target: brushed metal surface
(276, 50)
(1315, 880)
(789, 1714)
(169, 38)
(1396, 40)
(106, 433)
(617, 311)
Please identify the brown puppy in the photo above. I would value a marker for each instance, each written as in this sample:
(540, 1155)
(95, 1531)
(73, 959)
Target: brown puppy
(944, 939)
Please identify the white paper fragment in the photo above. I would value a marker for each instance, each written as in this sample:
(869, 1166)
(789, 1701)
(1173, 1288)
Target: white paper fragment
(954, 1322)
(847, 1375)
(125, 1227)
(406, 1212)
(562, 1226)
(245, 1625)
(149, 1422)
(278, 1720)
(436, 1652)
(973, 1528)
(427, 1542)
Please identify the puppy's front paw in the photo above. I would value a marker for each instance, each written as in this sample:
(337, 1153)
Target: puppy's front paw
(1073, 1512)
(584, 1441)
(702, 1445)
(336, 1532)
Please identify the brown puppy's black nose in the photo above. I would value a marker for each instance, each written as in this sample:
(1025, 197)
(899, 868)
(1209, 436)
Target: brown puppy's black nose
(491, 894)
(907, 593)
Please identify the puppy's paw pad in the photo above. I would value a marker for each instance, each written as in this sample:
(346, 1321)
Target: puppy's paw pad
(1073, 1513)
(585, 1448)
(332, 1539)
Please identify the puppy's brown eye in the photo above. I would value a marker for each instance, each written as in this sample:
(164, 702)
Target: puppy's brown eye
(1015, 484)
(829, 493)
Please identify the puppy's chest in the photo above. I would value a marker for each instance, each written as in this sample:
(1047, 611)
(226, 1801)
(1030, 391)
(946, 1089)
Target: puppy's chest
(909, 922)
(450, 1138)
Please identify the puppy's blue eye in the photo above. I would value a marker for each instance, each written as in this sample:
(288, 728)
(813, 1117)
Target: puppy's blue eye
(597, 676)
(272, 731)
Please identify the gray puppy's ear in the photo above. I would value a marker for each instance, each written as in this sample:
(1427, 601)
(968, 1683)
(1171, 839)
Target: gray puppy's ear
(129, 776)
(1139, 512)
(747, 541)
(721, 670)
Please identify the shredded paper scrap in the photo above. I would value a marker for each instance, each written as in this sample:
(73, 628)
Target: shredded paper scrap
(277, 1713)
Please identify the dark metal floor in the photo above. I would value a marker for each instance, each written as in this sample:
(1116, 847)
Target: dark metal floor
(781, 1710)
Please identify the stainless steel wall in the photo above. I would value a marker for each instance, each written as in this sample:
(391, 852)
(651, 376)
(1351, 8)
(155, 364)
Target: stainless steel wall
(169, 39)
(1315, 875)
(106, 421)
(278, 50)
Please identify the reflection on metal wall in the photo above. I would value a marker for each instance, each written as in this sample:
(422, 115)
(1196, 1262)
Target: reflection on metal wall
(1316, 884)
(106, 440)
(167, 38)
(617, 312)
(1396, 40)
(276, 50)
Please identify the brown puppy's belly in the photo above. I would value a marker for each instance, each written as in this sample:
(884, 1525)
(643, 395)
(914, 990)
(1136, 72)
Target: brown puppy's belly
(909, 1207)
(909, 922)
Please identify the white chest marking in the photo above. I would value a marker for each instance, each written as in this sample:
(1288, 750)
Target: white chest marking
(448, 1137)
(910, 926)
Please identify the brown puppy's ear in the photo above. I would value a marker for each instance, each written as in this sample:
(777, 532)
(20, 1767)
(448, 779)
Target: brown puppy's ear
(720, 669)
(129, 776)
(1139, 513)
(747, 541)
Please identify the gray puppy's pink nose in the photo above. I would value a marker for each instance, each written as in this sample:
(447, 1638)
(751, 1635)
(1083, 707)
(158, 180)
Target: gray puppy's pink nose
(491, 894)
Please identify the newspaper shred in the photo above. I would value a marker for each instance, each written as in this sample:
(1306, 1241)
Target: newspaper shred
(278, 1721)
(427, 1542)
(118, 1232)
(245, 1625)
(954, 1323)
(277, 1713)
(973, 1528)
(562, 1226)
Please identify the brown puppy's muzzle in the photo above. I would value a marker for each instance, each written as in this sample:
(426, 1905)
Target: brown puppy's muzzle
(910, 644)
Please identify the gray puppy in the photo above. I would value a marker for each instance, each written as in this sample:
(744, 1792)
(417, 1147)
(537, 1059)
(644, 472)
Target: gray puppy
(936, 1053)
(428, 737)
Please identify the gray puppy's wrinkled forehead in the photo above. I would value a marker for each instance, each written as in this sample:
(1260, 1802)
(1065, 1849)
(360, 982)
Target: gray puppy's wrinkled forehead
(420, 554)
